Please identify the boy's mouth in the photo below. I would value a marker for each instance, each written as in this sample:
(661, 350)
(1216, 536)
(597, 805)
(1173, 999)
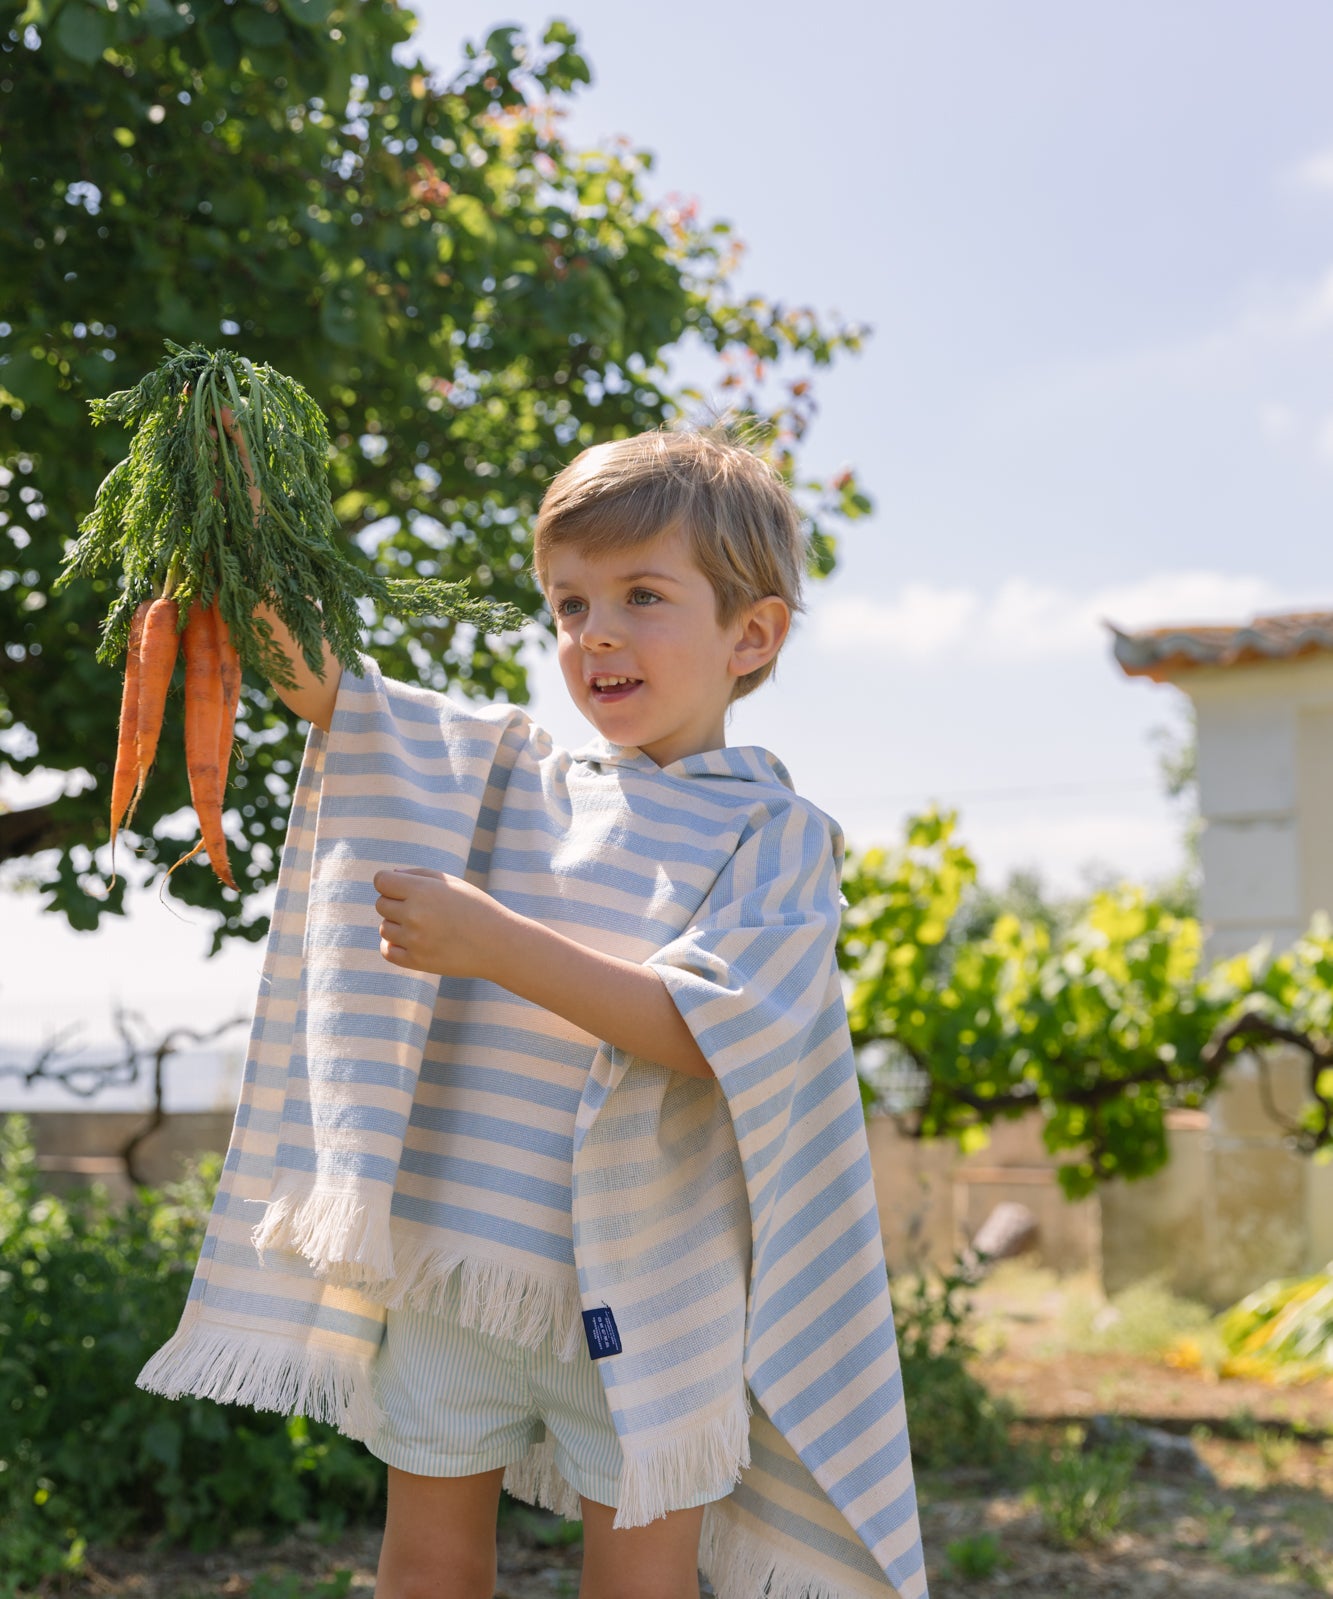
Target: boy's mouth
(609, 686)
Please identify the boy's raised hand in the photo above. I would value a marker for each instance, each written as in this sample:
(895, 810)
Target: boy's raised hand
(430, 922)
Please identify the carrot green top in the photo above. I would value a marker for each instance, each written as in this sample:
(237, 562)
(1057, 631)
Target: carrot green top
(177, 513)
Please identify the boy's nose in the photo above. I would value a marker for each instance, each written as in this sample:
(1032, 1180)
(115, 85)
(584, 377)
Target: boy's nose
(598, 631)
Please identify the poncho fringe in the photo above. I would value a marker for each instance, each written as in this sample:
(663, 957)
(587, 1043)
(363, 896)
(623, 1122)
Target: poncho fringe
(239, 1366)
(343, 1236)
(740, 1566)
(709, 1460)
(496, 1298)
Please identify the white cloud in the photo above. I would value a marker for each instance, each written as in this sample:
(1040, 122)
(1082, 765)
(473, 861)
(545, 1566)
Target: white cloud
(1025, 620)
(1323, 438)
(1271, 323)
(920, 622)
(1315, 172)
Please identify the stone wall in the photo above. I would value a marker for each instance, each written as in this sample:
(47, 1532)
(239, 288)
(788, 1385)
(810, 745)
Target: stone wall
(932, 1200)
(80, 1146)
(1228, 1212)
(1233, 1207)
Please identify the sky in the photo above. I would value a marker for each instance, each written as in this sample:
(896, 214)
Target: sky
(1095, 248)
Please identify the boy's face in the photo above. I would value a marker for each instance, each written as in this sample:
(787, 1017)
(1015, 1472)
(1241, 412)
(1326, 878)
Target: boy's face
(646, 613)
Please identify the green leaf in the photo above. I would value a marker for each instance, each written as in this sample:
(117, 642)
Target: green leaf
(308, 13)
(221, 42)
(501, 46)
(30, 379)
(164, 20)
(162, 1442)
(260, 28)
(338, 317)
(83, 32)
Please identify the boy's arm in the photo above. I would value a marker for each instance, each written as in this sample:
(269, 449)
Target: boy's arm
(618, 1001)
(435, 923)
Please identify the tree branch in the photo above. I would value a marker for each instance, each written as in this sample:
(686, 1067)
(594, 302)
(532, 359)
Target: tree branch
(1250, 1029)
(38, 827)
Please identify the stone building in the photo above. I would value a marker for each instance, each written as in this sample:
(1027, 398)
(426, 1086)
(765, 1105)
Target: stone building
(1235, 1207)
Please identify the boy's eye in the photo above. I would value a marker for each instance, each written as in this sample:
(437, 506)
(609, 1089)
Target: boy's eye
(643, 594)
(562, 607)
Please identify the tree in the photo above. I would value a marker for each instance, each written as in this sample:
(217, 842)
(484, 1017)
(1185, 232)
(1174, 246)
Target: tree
(1102, 1024)
(468, 299)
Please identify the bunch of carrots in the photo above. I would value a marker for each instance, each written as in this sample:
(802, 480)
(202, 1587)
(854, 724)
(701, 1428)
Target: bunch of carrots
(212, 692)
(226, 490)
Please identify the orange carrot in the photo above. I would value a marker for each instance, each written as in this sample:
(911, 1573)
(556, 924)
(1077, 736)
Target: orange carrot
(230, 663)
(124, 785)
(157, 659)
(204, 718)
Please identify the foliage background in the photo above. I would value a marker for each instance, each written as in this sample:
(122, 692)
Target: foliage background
(87, 1291)
(469, 300)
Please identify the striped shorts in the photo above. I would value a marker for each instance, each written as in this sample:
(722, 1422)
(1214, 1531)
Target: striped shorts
(457, 1402)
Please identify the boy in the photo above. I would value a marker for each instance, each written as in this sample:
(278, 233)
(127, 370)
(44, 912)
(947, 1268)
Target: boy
(549, 1168)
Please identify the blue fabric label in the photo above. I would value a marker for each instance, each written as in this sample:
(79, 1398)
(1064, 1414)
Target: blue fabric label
(599, 1327)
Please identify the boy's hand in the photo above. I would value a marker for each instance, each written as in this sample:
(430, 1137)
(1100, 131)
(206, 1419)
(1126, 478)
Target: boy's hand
(434, 923)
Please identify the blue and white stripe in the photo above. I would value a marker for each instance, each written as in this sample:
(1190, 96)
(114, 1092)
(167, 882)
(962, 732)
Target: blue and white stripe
(398, 1134)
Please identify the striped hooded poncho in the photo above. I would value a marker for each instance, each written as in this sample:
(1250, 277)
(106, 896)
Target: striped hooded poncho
(395, 1128)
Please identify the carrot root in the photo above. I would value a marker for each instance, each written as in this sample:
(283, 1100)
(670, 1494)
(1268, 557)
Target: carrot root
(125, 781)
(230, 663)
(157, 659)
(182, 861)
(205, 717)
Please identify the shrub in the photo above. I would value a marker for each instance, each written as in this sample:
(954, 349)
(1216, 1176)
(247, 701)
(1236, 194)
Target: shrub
(951, 1419)
(87, 1292)
(978, 1555)
(1080, 1492)
(1146, 1318)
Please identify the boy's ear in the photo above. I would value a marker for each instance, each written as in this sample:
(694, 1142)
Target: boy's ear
(760, 632)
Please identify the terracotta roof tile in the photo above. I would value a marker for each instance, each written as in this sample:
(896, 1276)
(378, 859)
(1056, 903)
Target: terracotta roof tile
(1164, 652)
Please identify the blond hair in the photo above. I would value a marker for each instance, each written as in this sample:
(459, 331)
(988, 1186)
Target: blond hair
(745, 531)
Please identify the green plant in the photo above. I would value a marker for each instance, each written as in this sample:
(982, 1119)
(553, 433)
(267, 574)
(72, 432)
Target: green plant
(87, 1292)
(1100, 1025)
(1241, 1549)
(540, 1527)
(978, 1555)
(952, 1420)
(1081, 1493)
(1273, 1446)
(1146, 1318)
(290, 1585)
(1312, 1568)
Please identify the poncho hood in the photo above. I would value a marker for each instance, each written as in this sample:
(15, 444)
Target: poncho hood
(747, 763)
